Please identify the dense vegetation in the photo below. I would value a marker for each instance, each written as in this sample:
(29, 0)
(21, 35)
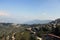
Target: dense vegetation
(22, 31)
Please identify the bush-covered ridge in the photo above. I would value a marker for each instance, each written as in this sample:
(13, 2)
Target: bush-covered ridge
(11, 31)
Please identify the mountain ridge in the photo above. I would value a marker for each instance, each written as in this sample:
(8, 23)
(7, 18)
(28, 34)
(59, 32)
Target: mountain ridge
(38, 22)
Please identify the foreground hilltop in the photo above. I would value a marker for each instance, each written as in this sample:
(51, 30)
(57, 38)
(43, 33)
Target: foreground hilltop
(29, 32)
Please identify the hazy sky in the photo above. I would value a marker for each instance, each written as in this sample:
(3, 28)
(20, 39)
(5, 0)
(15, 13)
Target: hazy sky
(25, 10)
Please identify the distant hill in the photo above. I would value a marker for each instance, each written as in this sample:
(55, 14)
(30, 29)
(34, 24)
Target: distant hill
(56, 21)
(38, 22)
